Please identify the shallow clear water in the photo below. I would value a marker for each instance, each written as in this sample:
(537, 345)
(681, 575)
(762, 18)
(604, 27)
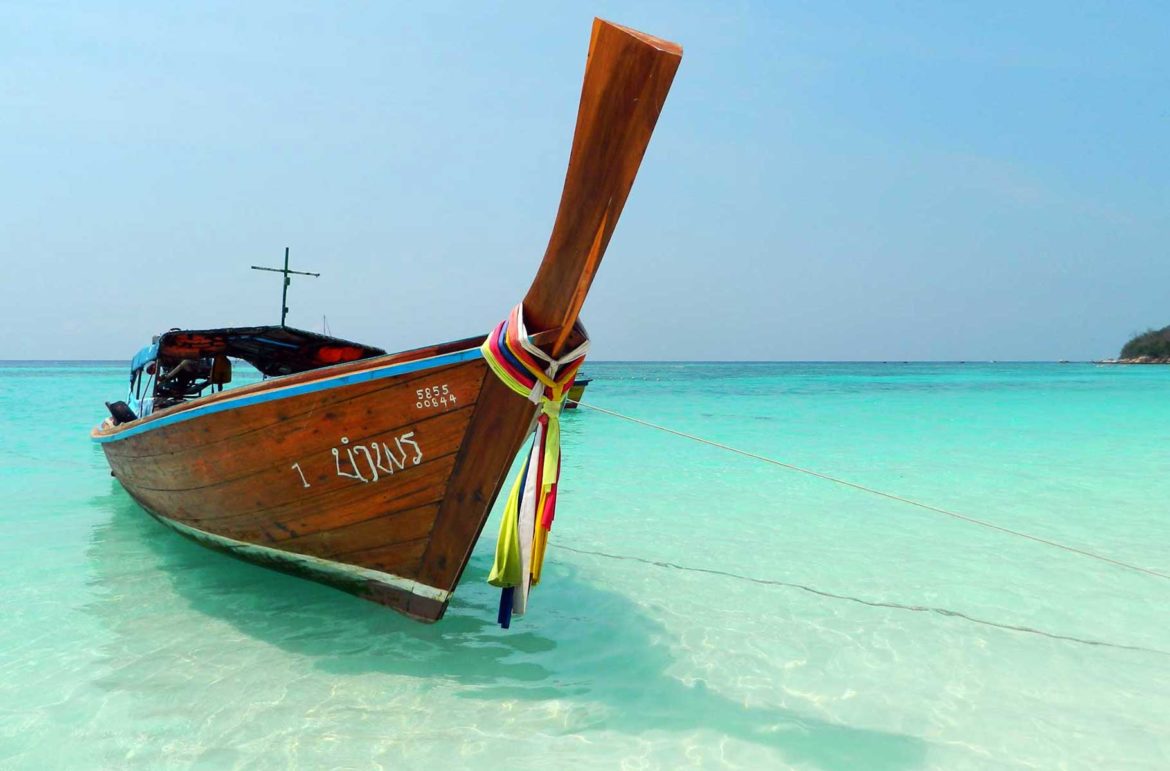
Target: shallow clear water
(125, 645)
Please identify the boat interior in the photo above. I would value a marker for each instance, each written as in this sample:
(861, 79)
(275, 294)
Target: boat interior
(184, 364)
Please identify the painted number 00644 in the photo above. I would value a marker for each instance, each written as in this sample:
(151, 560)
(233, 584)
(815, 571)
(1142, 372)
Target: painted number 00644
(434, 396)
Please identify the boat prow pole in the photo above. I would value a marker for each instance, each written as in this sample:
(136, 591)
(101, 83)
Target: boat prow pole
(627, 77)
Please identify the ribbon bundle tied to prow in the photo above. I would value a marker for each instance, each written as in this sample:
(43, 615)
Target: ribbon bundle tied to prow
(531, 506)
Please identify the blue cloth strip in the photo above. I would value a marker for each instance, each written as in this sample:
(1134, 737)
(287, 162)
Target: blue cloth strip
(505, 617)
(508, 596)
(504, 349)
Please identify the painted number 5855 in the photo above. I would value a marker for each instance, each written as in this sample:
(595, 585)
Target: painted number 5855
(434, 396)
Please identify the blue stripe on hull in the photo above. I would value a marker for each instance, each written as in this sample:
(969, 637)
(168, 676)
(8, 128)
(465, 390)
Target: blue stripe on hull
(297, 390)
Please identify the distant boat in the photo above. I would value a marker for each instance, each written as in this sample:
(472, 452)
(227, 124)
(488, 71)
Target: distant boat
(577, 391)
(375, 472)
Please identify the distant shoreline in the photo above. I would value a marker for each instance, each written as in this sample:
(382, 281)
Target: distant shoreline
(1137, 360)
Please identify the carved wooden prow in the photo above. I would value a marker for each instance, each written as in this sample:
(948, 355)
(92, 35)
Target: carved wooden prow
(627, 77)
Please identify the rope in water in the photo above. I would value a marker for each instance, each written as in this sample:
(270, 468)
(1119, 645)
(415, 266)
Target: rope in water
(872, 603)
(890, 496)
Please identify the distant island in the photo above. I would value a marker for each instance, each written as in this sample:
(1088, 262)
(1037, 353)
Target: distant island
(1150, 347)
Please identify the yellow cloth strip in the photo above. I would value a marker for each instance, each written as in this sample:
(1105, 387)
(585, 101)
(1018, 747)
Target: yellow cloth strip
(507, 570)
(502, 373)
(539, 543)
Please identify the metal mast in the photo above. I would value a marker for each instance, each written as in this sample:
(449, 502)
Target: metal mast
(287, 281)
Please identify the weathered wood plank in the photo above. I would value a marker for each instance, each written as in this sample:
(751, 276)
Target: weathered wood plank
(194, 438)
(294, 433)
(411, 525)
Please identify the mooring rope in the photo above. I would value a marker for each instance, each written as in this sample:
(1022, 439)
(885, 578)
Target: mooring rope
(890, 496)
(871, 603)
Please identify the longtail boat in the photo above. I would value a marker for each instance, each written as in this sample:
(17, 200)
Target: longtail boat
(576, 391)
(375, 472)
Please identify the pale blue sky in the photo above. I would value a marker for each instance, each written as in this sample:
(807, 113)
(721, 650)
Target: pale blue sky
(827, 180)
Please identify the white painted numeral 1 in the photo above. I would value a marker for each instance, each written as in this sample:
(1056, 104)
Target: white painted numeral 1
(304, 481)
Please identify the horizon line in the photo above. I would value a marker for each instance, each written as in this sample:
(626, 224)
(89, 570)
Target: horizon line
(688, 361)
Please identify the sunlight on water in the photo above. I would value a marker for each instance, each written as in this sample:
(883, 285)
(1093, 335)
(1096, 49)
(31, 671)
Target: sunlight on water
(126, 646)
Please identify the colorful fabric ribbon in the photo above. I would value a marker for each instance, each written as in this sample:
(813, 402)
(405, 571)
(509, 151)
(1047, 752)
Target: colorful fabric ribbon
(531, 505)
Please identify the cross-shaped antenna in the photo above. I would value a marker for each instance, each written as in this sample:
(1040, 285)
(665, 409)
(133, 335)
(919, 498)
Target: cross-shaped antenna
(287, 280)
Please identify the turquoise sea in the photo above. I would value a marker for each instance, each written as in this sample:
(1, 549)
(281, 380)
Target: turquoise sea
(699, 608)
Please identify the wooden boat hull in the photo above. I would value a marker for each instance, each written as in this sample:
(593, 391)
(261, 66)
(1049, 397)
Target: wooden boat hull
(375, 477)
